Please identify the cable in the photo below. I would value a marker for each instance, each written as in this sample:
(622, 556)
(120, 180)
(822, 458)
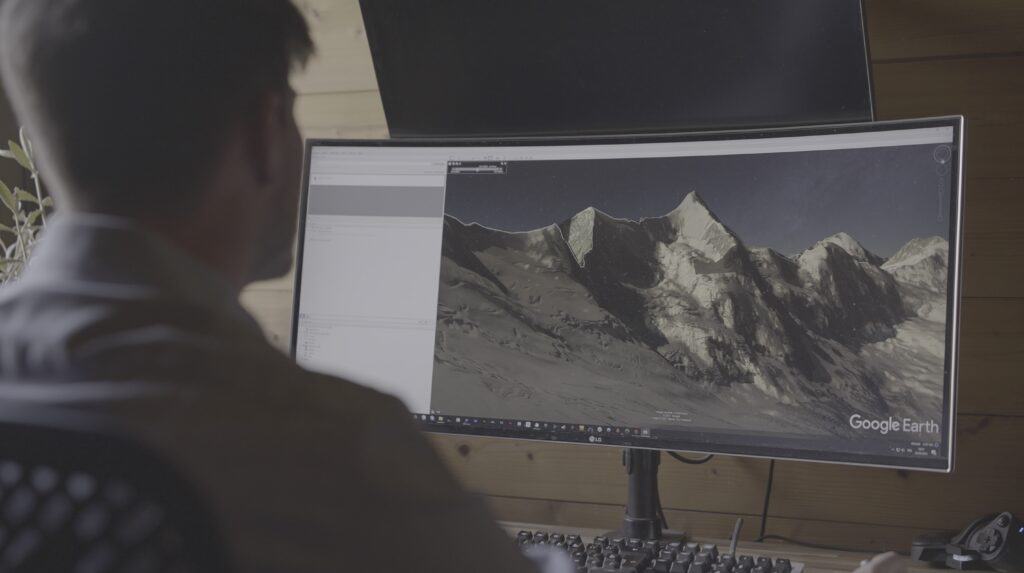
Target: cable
(661, 510)
(820, 546)
(735, 536)
(685, 460)
(691, 461)
(767, 499)
(762, 536)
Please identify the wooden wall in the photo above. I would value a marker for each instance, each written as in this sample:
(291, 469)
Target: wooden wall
(10, 172)
(930, 57)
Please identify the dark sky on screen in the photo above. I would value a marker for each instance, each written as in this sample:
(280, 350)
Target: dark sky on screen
(883, 197)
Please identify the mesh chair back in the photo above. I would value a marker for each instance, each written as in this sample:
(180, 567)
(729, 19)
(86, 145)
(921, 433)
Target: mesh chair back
(77, 497)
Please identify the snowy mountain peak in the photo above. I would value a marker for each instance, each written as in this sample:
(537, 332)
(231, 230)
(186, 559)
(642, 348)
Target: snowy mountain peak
(917, 250)
(851, 246)
(922, 263)
(820, 261)
(697, 225)
(693, 200)
(692, 205)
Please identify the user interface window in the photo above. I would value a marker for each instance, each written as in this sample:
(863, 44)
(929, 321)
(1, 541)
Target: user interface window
(783, 292)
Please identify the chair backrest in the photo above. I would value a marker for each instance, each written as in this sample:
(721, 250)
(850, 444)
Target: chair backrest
(77, 496)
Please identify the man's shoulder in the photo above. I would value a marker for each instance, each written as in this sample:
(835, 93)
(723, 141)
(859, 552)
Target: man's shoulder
(263, 374)
(342, 394)
(96, 340)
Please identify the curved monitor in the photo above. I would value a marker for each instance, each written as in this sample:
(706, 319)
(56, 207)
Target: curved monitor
(530, 67)
(789, 293)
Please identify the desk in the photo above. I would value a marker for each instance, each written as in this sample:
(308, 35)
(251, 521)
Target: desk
(815, 560)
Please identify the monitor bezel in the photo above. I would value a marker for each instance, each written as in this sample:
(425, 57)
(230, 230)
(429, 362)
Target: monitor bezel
(954, 286)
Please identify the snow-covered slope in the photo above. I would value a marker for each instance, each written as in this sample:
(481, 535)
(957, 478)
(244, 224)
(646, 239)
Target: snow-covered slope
(696, 226)
(920, 268)
(922, 262)
(852, 248)
(852, 300)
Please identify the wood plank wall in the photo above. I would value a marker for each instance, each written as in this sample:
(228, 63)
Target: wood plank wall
(930, 57)
(10, 172)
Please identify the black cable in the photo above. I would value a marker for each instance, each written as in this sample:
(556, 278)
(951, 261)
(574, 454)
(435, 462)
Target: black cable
(820, 546)
(767, 499)
(762, 536)
(691, 461)
(661, 510)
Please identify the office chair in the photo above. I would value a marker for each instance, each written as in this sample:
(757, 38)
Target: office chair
(76, 496)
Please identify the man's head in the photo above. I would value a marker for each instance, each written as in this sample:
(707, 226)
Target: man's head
(172, 112)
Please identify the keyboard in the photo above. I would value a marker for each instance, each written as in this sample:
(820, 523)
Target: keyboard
(629, 555)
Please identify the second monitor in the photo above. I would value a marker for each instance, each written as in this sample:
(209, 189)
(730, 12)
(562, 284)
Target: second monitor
(788, 293)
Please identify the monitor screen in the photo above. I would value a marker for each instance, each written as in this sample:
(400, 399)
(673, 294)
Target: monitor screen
(528, 67)
(787, 293)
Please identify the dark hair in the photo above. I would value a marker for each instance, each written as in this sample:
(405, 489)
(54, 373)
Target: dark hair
(131, 100)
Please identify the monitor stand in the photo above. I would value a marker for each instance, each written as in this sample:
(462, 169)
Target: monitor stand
(644, 518)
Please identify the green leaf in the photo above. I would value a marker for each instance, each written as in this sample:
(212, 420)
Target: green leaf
(6, 229)
(47, 202)
(20, 156)
(7, 198)
(6, 154)
(25, 196)
(34, 216)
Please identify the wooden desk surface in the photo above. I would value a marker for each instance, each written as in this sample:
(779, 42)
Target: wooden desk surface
(815, 560)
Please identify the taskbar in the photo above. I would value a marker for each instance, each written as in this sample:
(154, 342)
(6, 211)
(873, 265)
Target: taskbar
(901, 454)
(618, 435)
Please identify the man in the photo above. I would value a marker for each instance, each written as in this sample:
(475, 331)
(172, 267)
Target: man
(165, 129)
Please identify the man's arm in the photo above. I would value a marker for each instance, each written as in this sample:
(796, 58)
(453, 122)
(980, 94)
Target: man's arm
(438, 526)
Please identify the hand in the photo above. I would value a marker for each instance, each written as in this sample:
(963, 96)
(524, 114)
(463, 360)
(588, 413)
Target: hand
(885, 563)
(549, 559)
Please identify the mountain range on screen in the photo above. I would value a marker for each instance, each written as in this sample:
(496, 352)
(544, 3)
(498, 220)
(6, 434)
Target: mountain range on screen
(675, 319)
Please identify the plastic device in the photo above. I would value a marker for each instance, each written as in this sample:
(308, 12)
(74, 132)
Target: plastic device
(992, 542)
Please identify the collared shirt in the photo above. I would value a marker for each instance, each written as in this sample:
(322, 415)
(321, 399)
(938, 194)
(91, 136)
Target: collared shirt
(306, 472)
